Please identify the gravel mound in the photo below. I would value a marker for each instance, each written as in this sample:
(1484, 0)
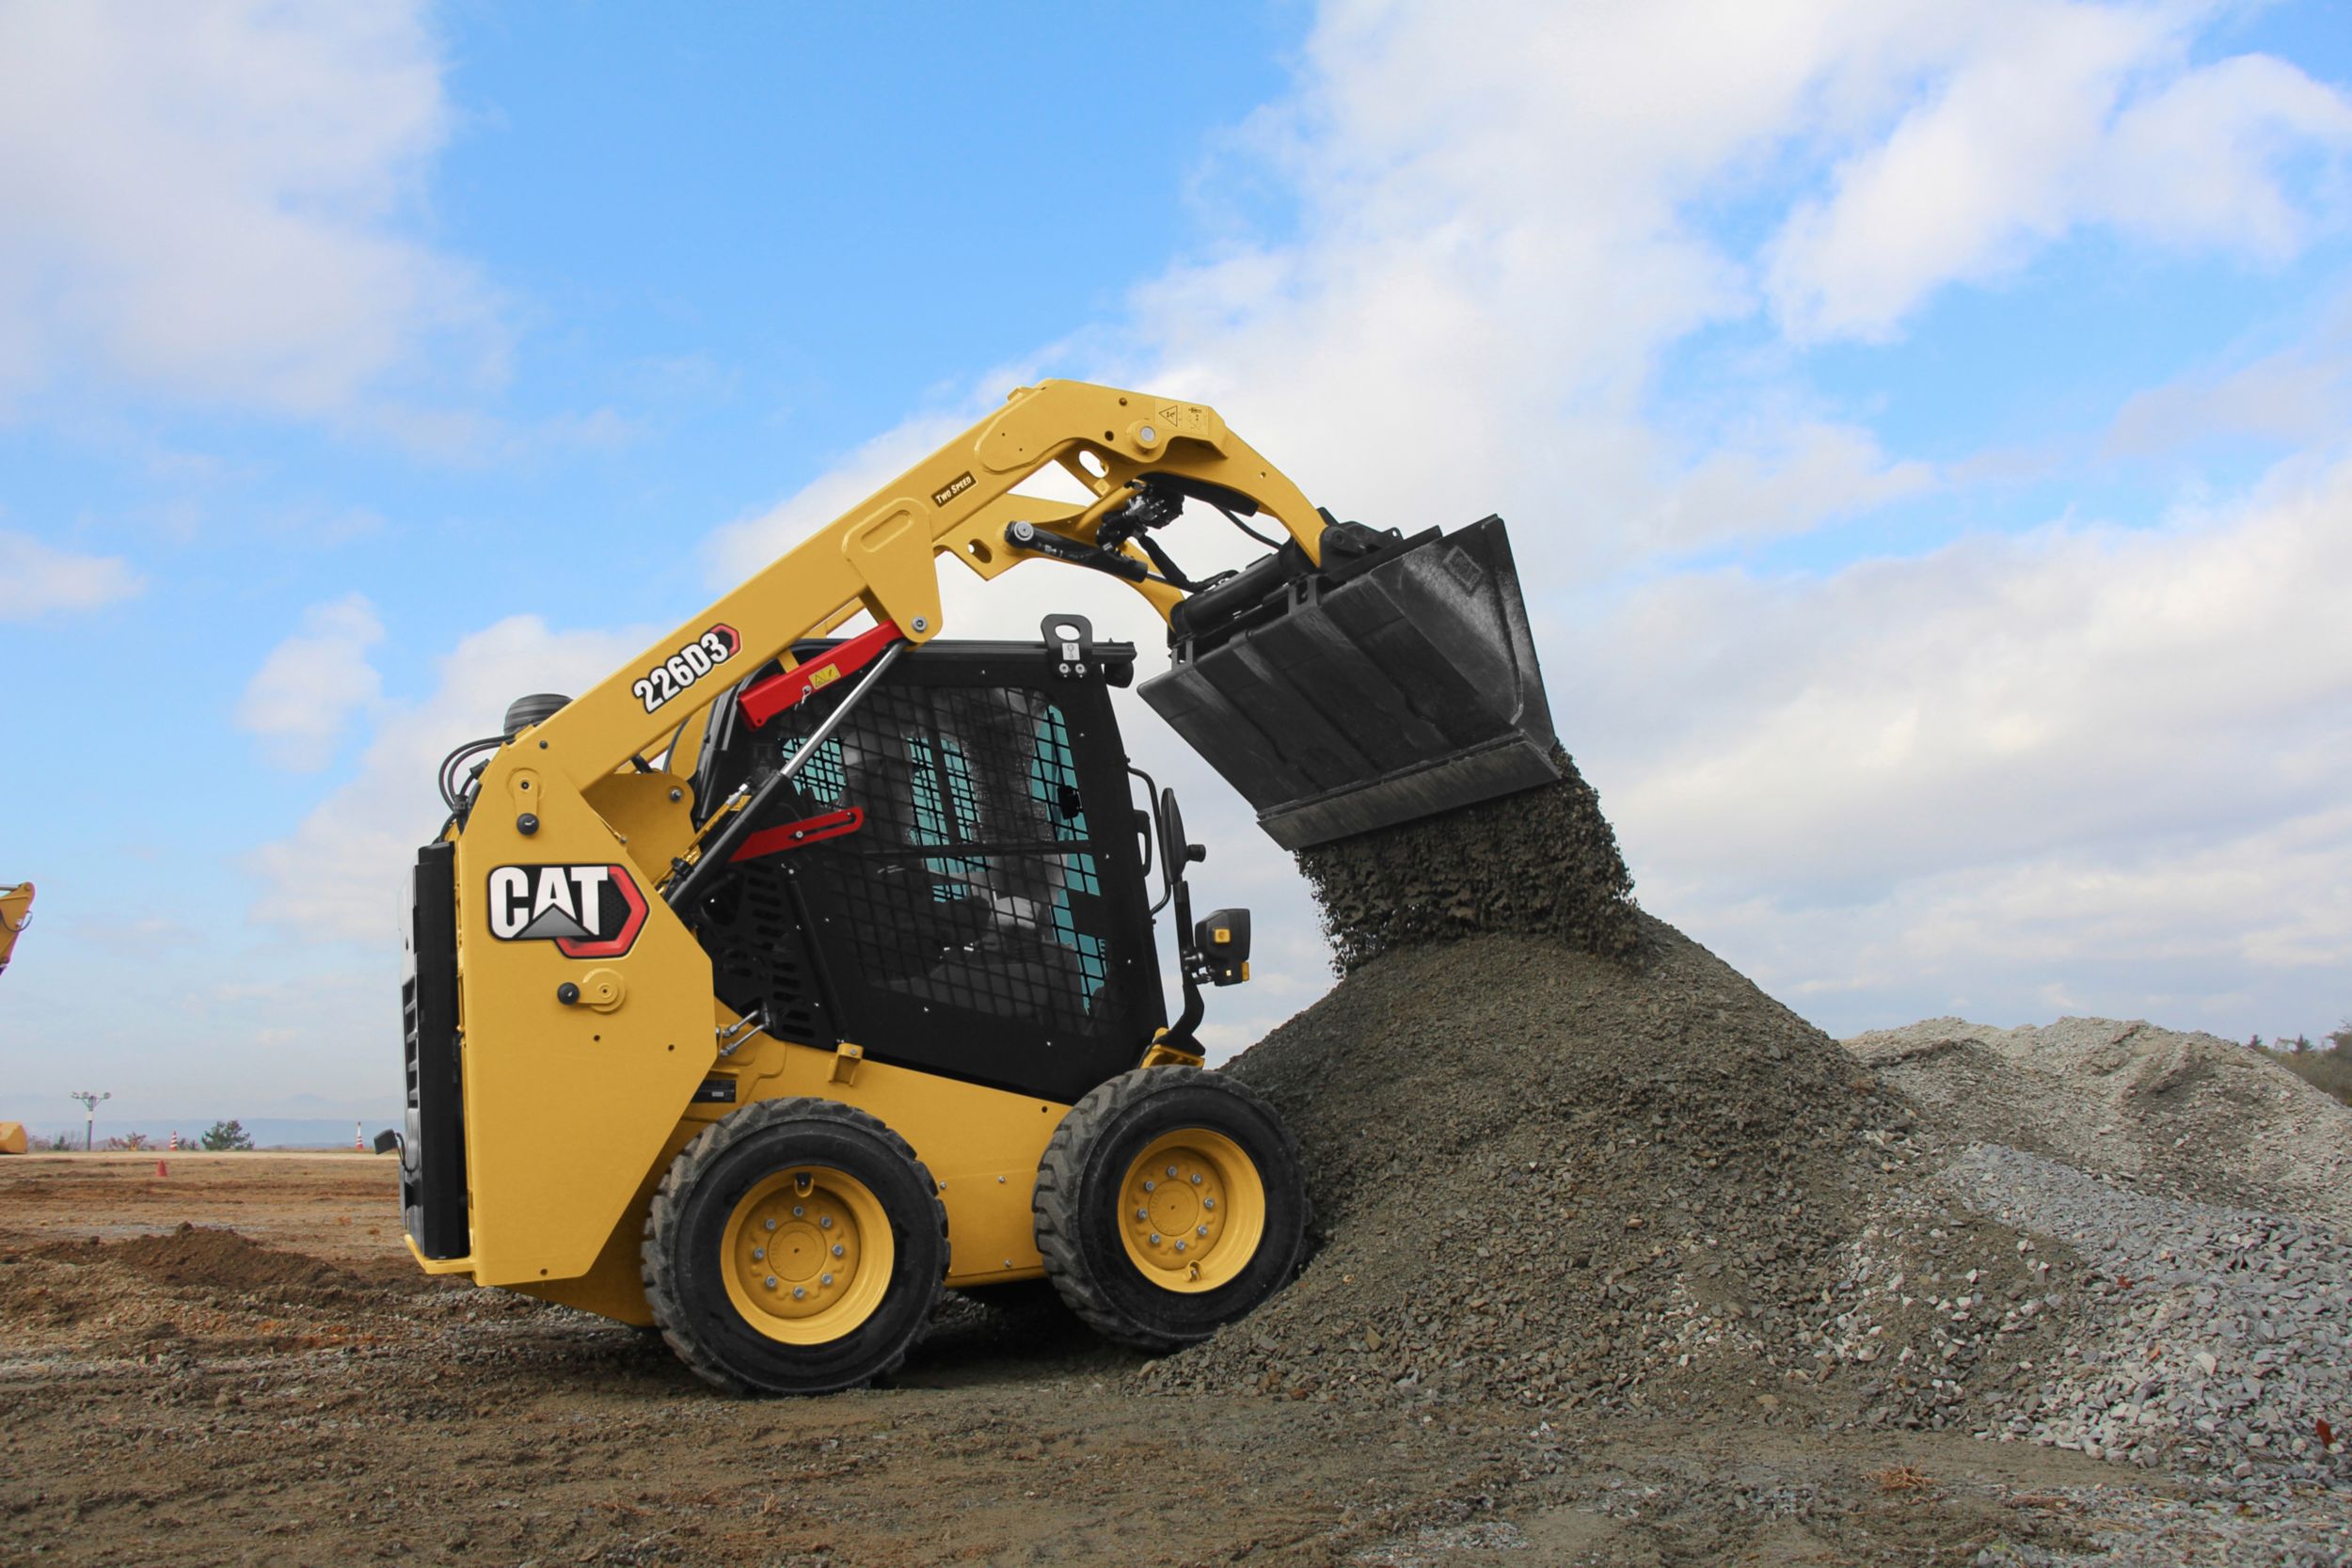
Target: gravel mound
(1543, 862)
(1547, 1176)
(2205, 1337)
(203, 1255)
(195, 1287)
(2188, 1115)
(1566, 1158)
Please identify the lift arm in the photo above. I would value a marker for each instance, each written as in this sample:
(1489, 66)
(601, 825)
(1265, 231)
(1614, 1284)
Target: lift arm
(881, 556)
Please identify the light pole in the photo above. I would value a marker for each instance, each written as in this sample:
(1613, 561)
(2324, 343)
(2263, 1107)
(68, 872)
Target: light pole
(89, 1099)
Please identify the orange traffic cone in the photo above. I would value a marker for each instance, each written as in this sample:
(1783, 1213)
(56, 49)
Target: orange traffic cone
(162, 1169)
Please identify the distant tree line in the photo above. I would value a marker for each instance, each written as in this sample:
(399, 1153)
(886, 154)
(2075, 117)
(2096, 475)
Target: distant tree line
(2324, 1067)
(221, 1137)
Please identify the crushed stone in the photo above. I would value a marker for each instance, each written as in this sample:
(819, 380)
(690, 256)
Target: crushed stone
(1556, 1180)
(2217, 1340)
(1543, 862)
(2187, 1115)
(1563, 1158)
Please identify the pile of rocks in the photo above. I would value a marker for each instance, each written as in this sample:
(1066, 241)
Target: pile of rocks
(2187, 1115)
(2218, 1338)
(1551, 1177)
(1566, 1158)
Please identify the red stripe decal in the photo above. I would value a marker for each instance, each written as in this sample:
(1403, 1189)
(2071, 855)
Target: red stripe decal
(793, 835)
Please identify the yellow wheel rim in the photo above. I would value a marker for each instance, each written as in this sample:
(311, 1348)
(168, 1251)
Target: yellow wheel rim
(1191, 1210)
(807, 1255)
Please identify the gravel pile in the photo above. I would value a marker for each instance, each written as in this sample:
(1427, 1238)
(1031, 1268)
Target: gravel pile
(2202, 1337)
(1543, 862)
(2185, 1114)
(1559, 1180)
(1566, 1158)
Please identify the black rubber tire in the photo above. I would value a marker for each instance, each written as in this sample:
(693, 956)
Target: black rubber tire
(681, 1255)
(1076, 1204)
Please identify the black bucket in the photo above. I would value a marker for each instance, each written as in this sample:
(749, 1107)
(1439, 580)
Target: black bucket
(1386, 687)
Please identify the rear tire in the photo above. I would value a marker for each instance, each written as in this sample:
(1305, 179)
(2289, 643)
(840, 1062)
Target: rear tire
(796, 1247)
(1156, 1260)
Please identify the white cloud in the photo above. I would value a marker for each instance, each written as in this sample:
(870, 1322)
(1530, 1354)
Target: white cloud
(2094, 756)
(335, 876)
(40, 579)
(314, 683)
(213, 200)
(2299, 396)
(2050, 117)
(1790, 481)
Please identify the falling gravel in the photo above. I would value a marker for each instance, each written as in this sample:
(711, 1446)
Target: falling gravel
(1541, 862)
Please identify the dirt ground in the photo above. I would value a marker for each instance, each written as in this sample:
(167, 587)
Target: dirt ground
(278, 1384)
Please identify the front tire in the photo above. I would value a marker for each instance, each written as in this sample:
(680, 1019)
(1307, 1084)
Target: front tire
(796, 1247)
(1170, 1201)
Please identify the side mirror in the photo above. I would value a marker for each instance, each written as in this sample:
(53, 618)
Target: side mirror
(1175, 852)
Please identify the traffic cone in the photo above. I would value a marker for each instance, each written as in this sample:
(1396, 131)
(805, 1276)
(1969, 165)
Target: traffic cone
(162, 1169)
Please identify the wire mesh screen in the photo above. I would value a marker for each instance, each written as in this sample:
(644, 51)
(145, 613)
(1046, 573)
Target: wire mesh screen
(972, 883)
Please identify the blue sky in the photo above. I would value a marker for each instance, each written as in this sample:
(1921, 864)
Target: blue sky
(1923, 426)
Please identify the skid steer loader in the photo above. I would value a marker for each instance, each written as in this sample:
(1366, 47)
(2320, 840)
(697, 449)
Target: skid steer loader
(787, 977)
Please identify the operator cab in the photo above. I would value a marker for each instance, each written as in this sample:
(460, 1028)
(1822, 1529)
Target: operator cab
(957, 878)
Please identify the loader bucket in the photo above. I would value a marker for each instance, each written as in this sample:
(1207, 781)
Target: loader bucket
(1386, 685)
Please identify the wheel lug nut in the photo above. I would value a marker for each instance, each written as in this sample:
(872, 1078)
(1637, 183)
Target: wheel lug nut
(1180, 1246)
(1156, 1238)
(771, 1282)
(1171, 1170)
(1208, 1203)
(771, 1224)
(1143, 1214)
(836, 1249)
(759, 1254)
(1150, 1186)
(824, 1279)
(798, 1211)
(799, 1292)
(825, 1223)
(1201, 1231)
(1195, 1179)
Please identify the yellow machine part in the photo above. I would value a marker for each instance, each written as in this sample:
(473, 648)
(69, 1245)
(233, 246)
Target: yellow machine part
(981, 1146)
(11, 1138)
(16, 912)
